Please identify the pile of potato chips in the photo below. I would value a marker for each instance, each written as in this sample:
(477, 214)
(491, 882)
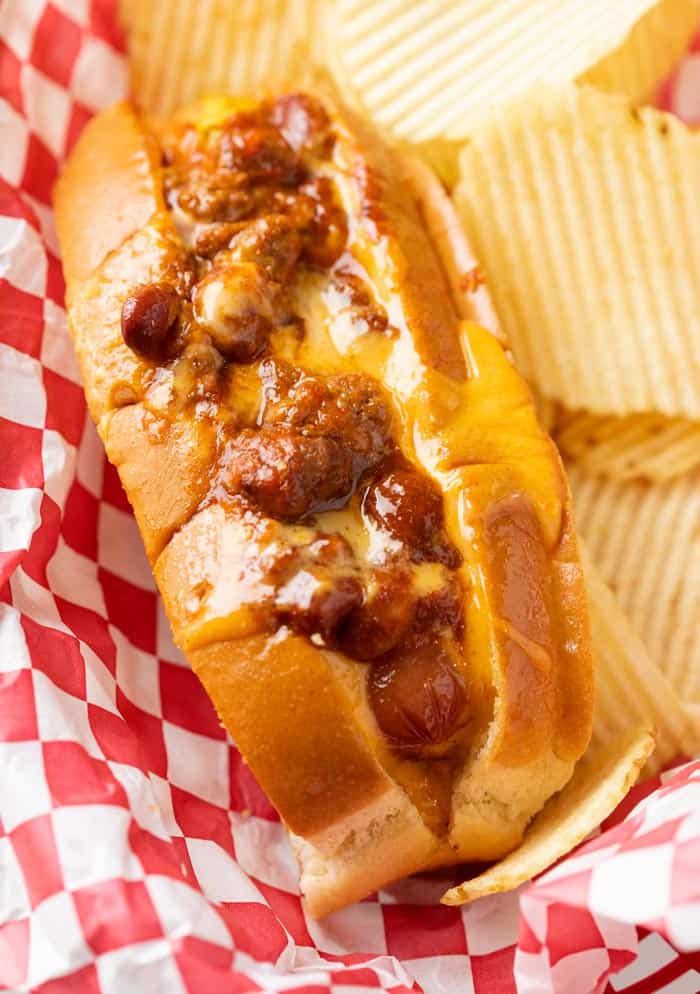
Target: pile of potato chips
(581, 205)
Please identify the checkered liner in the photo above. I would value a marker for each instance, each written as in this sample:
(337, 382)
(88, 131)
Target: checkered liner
(137, 853)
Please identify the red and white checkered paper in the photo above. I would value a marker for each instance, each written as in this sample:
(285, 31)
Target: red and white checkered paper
(137, 853)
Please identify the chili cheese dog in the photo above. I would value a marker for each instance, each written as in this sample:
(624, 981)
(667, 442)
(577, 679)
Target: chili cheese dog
(362, 537)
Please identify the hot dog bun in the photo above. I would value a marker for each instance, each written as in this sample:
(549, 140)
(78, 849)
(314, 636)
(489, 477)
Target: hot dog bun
(384, 753)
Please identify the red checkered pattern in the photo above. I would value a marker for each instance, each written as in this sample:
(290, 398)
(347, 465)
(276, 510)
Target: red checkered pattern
(137, 853)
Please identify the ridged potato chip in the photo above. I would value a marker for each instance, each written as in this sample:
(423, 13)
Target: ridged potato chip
(582, 211)
(600, 781)
(427, 68)
(639, 446)
(181, 50)
(631, 689)
(645, 540)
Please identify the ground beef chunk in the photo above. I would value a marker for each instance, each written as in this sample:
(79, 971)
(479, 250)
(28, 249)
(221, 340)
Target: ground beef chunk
(272, 242)
(315, 438)
(348, 407)
(209, 194)
(288, 474)
(260, 152)
(304, 123)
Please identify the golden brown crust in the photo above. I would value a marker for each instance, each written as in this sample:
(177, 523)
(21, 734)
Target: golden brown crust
(575, 688)
(108, 190)
(297, 711)
(288, 704)
(150, 459)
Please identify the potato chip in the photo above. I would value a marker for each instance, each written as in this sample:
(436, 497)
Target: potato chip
(427, 68)
(639, 446)
(581, 210)
(181, 50)
(630, 687)
(645, 540)
(599, 783)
